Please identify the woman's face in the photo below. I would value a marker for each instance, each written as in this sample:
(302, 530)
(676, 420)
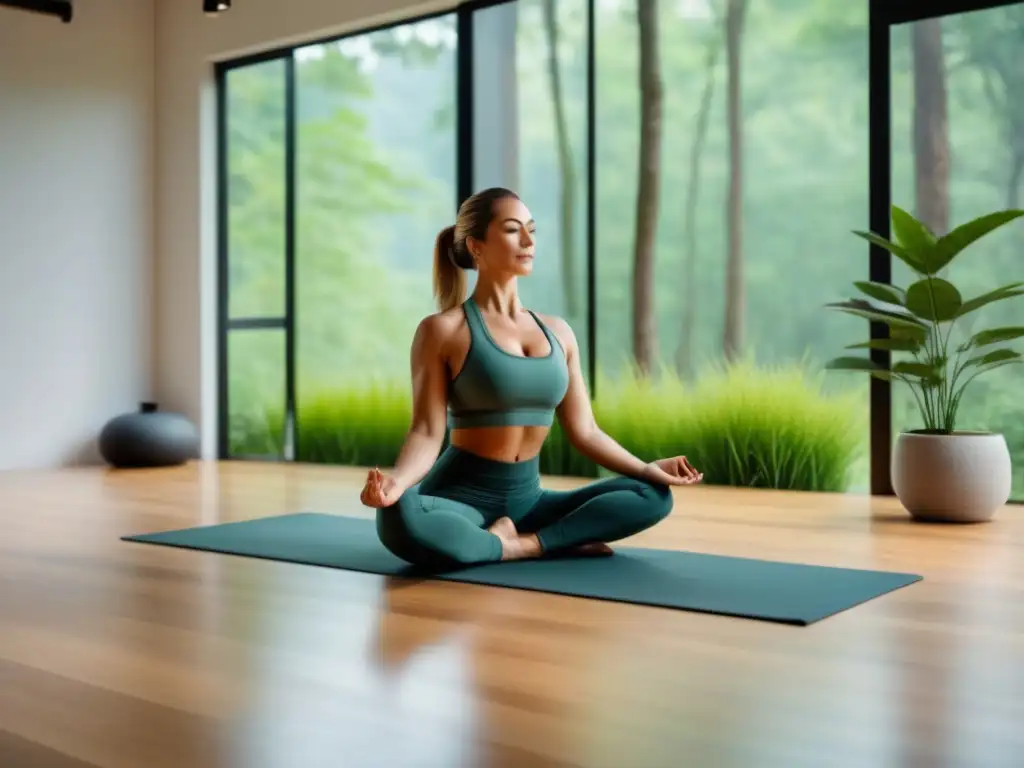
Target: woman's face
(508, 249)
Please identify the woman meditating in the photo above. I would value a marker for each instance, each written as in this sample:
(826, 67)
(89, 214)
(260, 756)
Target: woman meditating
(496, 373)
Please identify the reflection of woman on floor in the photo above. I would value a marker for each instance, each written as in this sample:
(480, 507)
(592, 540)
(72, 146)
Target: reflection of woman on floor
(498, 373)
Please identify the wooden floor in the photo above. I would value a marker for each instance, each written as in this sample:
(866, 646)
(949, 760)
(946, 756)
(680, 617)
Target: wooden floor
(128, 655)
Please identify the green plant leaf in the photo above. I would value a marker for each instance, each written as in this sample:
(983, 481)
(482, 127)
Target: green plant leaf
(893, 345)
(1006, 292)
(916, 333)
(882, 291)
(983, 369)
(994, 336)
(920, 370)
(912, 234)
(869, 311)
(896, 250)
(934, 299)
(1000, 364)
(995, 356)
(853, 364)
(950, 245)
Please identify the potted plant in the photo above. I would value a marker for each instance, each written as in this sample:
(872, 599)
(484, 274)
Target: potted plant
(939, 472)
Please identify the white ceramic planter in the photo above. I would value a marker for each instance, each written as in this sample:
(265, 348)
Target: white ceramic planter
(960, 478)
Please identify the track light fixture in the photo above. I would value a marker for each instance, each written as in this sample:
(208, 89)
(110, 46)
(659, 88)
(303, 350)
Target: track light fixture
(213, 7)
(59, 8)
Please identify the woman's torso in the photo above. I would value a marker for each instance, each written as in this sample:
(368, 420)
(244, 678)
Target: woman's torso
(501, 443)
(505, 380)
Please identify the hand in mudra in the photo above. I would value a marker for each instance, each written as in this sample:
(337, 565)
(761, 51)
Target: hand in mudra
(380, 490)
(674, 471)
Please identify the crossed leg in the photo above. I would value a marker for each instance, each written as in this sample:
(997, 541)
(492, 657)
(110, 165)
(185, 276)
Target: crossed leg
(586, 519)
(436, 532)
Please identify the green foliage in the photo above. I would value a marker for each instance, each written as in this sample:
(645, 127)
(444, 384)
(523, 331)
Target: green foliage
(921, 318)
(741, 425)
(360, 427)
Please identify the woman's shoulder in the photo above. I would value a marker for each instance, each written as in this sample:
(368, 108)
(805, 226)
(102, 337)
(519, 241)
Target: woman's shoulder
(561, 328)
(445, 321)
(439, 328)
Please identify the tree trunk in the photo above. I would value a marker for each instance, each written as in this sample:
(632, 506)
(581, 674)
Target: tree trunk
(931, 127)
(565, 164)
(684, 352)
(644, 329)
(734, 294)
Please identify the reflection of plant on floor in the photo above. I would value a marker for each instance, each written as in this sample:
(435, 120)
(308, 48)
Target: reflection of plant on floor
(922, 317)
(742, 425)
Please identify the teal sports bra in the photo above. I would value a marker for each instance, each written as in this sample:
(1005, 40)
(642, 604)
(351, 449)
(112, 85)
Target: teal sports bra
(495, 388)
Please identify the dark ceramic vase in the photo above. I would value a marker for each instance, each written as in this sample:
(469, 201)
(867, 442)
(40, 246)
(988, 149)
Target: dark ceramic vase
(148, 438)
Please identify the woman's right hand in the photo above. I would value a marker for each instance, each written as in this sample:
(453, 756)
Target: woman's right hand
(380, 490)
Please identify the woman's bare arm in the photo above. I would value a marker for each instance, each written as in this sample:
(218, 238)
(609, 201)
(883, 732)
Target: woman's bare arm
(577, 417)
(429, 404)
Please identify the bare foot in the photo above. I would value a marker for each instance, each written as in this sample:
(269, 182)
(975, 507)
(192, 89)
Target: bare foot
(592, 549)
(504, 529)
(514, 545)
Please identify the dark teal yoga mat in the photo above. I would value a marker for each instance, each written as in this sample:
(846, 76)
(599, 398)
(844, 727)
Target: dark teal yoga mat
(756, 589)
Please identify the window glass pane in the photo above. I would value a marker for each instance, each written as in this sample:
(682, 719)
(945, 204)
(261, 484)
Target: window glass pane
(255, 119)
(376, 181)
(256, 393)
(739, 130)
(530, 134)
(958, 153)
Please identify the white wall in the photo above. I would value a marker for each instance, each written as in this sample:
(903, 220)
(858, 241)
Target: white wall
(76, 226)
(187, 45)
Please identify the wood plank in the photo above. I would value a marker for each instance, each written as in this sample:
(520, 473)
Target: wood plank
(17, 751)
(114, 654)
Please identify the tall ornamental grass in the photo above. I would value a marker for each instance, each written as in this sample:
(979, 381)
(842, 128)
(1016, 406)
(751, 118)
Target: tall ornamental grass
(741, 424)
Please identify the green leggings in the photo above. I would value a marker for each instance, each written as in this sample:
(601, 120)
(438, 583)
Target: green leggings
(442, 521)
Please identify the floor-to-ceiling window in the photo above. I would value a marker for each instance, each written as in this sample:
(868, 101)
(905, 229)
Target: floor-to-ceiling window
(529, 134)
(254, 236)
(732, 164)
(957, 153)
(950, 87)
(691, 232)
(355, 172)
(375, 182)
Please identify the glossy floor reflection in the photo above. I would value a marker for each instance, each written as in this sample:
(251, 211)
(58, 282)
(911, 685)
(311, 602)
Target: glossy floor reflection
(114, 654)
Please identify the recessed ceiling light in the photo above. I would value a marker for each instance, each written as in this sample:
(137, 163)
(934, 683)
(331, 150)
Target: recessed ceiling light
(213, 7)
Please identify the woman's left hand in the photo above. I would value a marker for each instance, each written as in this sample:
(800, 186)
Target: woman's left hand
(674, 471)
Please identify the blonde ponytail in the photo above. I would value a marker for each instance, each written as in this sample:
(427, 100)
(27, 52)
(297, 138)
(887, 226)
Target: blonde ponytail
(451, 254)
(449, 279)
